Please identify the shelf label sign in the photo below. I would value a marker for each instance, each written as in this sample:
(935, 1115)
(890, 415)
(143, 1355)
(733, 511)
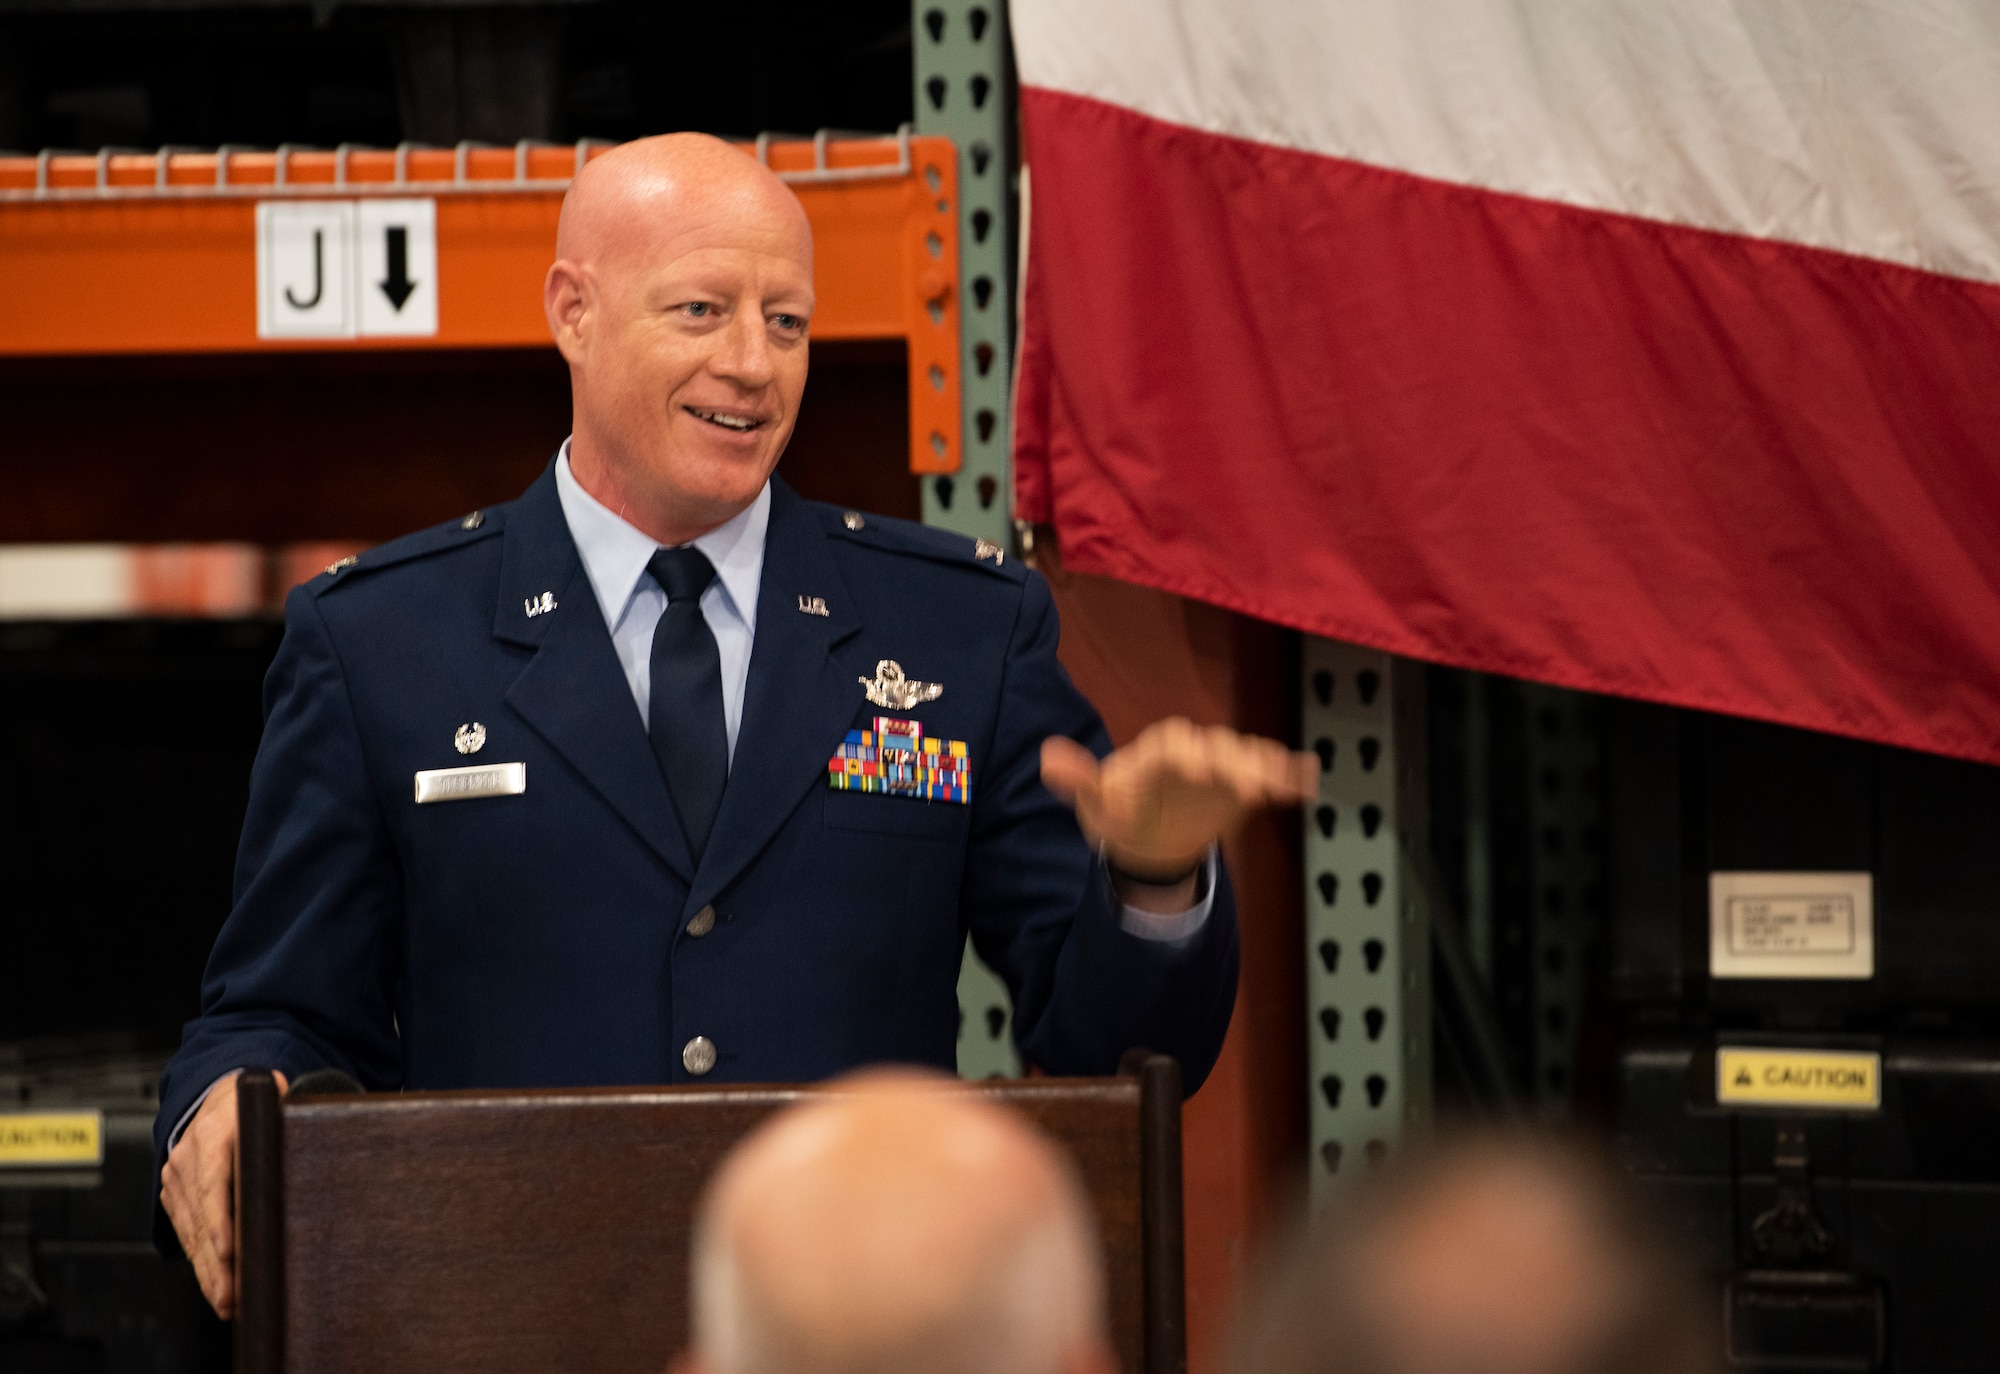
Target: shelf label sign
(1791, 925)
(1798, 1078)
(304, 250)
(51, 1138)
(396, 266)
(345, 269)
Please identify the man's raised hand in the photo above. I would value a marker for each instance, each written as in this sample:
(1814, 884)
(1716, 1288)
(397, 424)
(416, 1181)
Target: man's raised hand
(1157, 804)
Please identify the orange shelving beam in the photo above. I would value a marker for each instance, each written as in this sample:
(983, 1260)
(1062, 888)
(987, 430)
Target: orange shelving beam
(147, 253)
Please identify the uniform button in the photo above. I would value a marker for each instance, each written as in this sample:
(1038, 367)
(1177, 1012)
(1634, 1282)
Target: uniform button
(703, 922)
(698, 1055)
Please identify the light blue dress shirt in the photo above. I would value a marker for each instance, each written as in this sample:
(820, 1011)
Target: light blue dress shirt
(615, 556)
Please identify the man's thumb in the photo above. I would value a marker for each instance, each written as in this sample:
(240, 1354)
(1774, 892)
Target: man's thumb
(1067, 767)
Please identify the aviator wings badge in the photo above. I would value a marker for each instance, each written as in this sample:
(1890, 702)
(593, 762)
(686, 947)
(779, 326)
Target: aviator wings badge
(891, 689)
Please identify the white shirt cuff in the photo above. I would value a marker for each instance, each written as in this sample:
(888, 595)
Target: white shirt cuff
(1166, 926)
(188, 1115)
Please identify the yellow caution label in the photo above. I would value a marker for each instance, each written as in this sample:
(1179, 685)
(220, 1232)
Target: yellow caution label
(1798, 1078)
(74, 1138)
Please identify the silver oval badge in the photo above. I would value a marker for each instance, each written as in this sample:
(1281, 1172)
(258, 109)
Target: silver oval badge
(470, 739)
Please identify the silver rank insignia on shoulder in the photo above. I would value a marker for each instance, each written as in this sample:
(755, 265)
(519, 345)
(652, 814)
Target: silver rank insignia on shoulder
(341, 565)
(470, 739)
(891, 689)
(986, 548)
(813, 605)
(539, 605)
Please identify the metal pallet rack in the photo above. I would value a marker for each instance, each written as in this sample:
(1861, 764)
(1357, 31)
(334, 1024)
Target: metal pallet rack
(1564, 810)
(1367, 955)
(963, 92)
(119, 252)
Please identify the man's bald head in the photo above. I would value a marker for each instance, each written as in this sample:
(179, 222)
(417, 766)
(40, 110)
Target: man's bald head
(1503, 1254)
(903, 1225)
(681, 298)
(639, 196)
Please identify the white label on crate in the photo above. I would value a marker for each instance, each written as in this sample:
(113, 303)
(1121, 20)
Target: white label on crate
(396, 266)
(1791, 925)
(305, 255)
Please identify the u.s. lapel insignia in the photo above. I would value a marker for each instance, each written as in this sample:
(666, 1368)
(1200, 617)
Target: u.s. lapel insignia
(895, 759)
(891, 689)
(470, 739)
(539, 605)
(986, 548)
(812, 605)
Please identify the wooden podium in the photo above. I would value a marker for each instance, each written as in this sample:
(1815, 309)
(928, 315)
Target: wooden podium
(548, 1230)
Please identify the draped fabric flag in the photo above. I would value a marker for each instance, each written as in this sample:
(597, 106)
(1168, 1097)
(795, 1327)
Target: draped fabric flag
(1650, 347)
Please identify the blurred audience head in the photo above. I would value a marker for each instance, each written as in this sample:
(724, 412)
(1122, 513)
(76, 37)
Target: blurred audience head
(903, 1225)
(1491, 1254)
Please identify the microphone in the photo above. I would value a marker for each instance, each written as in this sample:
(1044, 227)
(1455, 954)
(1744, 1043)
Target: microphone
(325, 1083)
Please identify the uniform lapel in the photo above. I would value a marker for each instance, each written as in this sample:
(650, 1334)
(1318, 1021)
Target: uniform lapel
(798, 702)
(573, 691)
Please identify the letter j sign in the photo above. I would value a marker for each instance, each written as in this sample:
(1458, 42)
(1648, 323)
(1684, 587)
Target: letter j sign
(344, 269)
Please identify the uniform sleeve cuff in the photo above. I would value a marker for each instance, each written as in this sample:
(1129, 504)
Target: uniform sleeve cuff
(1168, 926)
(179, 1126)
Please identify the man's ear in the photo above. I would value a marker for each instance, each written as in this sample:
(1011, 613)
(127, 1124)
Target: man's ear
(566, 305)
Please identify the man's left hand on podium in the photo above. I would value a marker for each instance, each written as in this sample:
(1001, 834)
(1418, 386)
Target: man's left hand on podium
(1156, 805)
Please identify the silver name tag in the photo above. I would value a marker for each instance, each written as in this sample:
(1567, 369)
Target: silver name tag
(462, 784)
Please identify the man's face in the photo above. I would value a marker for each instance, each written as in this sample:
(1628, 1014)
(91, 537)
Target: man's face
(696, 358)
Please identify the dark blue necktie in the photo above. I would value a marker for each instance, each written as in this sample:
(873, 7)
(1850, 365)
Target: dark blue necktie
(685, 712)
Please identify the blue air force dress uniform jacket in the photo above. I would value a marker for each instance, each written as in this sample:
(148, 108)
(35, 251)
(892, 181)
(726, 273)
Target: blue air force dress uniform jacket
(561, 935)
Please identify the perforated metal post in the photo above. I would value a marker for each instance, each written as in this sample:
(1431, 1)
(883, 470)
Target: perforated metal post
(1565, 813)
(1367, 928)
(963, 92)
(1479, 932)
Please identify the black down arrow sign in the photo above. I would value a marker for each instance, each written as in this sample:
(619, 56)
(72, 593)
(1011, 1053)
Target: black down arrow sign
(398, 286)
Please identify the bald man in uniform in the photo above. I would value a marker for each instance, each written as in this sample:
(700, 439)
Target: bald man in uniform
(663, 774)
(904, 1224)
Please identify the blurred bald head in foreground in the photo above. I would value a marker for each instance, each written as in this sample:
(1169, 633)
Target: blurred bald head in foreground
(903, 1226)
(1494, 1255)
(681, 297)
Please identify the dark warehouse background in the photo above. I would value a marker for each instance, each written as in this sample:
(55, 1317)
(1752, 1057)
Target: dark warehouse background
(87, 75)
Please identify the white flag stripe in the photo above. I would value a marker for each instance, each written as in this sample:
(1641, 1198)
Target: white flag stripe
(1851, 125)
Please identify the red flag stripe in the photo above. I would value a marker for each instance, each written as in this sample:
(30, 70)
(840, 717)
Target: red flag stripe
(1503, 433)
